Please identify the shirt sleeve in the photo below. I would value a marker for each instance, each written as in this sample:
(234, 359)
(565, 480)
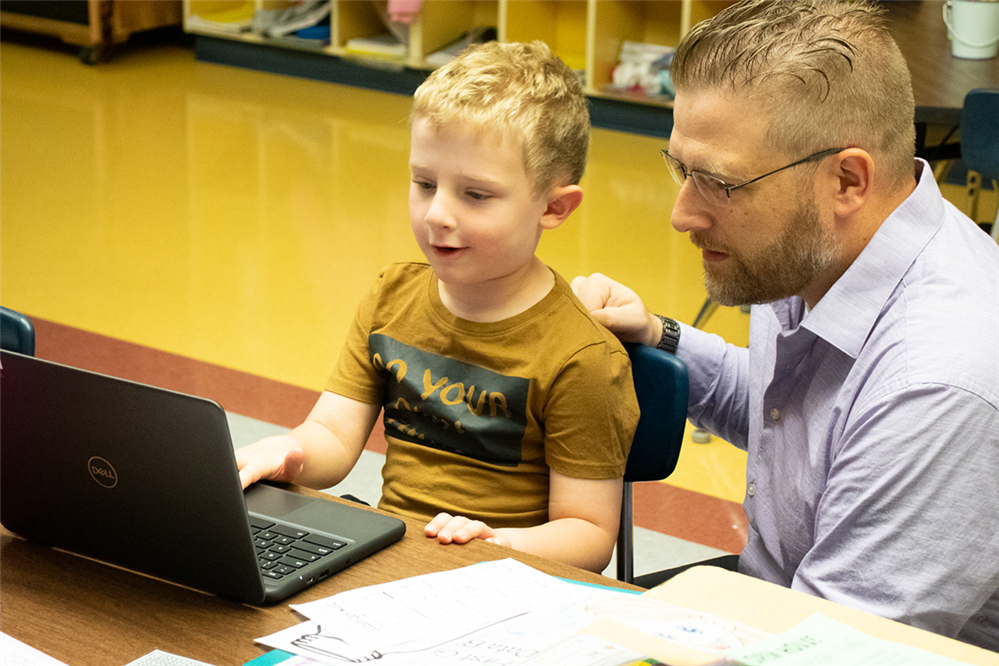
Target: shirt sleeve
(719, 384)
(590, 414)
(906, 527)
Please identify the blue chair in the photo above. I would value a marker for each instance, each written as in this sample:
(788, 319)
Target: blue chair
(662, 387)
(980, 144)
(17, 333)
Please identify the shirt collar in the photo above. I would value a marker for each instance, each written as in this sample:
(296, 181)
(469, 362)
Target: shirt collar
(845, 316)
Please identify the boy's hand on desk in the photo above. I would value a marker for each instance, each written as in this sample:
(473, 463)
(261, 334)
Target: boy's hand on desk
(459, 529)
(277, 458)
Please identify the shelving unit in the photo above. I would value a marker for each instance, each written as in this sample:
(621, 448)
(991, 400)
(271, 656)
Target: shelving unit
(440, 23)
(611, 23)
(562, 24)
(586, 34)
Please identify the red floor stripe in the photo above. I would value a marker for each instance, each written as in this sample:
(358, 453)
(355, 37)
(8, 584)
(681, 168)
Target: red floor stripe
(666, 509)
(237, 392)
(690, 515)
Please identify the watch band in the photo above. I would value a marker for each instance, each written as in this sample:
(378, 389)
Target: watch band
(671, 335)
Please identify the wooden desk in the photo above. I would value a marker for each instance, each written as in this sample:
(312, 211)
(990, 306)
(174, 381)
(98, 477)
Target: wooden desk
(777, 609)
(83, 612)
(939, 80)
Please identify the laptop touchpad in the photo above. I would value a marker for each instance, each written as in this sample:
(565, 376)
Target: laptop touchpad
(275, 502)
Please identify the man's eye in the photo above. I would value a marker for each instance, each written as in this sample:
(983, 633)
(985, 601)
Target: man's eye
(713, 183)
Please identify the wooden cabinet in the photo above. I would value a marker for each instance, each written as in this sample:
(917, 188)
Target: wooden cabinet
(95, 25)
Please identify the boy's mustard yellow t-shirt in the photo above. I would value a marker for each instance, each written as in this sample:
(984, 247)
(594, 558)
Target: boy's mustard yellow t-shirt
(476, 414)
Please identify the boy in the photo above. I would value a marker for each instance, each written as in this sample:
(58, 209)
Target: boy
(509, 411)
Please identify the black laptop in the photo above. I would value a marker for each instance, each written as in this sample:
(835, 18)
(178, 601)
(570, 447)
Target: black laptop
(146, 478)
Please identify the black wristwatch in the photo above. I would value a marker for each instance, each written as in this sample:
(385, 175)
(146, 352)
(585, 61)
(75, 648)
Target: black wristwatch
(671, 335)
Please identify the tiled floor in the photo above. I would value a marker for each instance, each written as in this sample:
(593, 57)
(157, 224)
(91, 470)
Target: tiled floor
(210, 229)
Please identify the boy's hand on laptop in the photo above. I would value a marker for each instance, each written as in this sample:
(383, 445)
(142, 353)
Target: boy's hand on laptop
(278, 458)
(459, 529)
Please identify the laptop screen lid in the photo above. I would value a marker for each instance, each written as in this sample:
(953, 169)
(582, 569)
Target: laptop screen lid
(146, 478)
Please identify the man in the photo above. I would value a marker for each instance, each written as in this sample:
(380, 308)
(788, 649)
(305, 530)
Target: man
(867, 399)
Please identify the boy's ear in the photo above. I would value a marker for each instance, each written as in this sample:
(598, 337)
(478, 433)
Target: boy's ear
(562, 200)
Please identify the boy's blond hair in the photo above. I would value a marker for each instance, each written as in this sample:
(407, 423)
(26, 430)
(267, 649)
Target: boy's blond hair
(520, 91)
(828, 74)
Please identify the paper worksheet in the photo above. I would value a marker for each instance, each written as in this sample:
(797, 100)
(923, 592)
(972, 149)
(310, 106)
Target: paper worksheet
(16, 653)
(501, 612)
(819, 641)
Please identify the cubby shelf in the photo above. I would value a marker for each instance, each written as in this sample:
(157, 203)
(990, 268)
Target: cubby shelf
(586, 34)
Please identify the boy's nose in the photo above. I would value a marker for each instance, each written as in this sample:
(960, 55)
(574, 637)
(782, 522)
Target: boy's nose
(439, 212)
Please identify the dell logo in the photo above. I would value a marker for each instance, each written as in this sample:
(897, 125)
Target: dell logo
(102, 472)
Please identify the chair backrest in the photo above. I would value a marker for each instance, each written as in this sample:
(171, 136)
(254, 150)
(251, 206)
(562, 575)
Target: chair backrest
(17, 333)
(980, 132)
(661, 386)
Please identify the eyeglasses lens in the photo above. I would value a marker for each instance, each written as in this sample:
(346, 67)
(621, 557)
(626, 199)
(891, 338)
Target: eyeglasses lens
(674, 167)
(709, 188)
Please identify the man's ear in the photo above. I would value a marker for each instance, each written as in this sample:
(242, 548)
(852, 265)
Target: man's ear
(562, 200)
(854, 180)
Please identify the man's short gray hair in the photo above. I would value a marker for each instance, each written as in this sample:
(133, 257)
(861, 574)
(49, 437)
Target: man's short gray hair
(828, 74)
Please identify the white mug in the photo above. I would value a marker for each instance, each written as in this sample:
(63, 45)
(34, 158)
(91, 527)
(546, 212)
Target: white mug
(973, 28)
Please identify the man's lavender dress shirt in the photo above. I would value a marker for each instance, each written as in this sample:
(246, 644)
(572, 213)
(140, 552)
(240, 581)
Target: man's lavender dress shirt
(872, 428)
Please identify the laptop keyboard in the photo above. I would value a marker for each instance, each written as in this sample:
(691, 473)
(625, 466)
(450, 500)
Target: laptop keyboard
(283, 550)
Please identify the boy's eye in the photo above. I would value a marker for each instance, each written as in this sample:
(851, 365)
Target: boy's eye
(478, 196)
(423, 185)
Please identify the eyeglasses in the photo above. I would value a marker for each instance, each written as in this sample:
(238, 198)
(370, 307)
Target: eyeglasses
(718, 191)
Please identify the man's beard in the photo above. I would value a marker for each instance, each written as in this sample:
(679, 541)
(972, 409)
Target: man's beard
(784, 268)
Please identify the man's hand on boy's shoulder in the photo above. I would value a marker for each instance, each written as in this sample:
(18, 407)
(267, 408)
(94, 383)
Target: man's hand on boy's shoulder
(618, 308)
(459, 529)
(278, 458)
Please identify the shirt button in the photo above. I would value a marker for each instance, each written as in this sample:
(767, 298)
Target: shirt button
(751, 489)
(775, 414)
